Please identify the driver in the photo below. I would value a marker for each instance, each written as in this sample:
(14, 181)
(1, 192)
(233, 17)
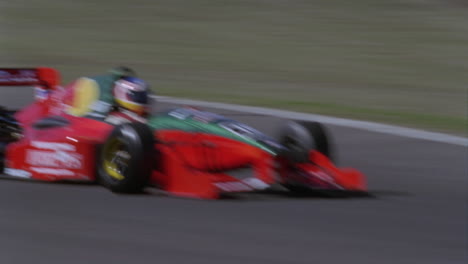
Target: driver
(96, 97)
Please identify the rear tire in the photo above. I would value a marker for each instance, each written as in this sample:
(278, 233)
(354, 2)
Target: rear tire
(125, 160)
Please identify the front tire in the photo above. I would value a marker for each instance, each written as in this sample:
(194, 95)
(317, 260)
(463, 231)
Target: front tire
(125, 160)
(300, 138)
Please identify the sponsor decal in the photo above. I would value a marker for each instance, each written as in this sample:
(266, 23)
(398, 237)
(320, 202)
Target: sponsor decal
(202, 118)
(197, 115)
(27, 73)
(4, 74)
(316, 179)
(101, 106)
(323, 176)
(256, 183)
(51, 171)
(18, 79)
(56, 103)
(22, 79)
(233, 186)
(53, 146)
(180, 113)
(17, 173)
(247, 184)
(116, 120)
(40, 94)
(58, 159)
(205, 117)
(18, 76)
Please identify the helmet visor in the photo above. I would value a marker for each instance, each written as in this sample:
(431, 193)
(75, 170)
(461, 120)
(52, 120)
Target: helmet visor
(139, 97)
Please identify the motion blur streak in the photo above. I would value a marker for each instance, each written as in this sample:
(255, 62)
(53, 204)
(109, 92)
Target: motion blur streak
(401, 62)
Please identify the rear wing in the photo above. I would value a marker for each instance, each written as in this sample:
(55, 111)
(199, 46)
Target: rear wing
(45, 77)
(12, 81)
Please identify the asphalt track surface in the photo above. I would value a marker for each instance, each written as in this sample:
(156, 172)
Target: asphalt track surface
(418, 214)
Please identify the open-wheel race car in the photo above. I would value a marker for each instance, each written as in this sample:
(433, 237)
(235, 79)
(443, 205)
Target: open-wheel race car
(184, 151)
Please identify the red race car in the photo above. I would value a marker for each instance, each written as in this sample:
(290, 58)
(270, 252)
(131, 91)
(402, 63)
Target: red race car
(184, 151)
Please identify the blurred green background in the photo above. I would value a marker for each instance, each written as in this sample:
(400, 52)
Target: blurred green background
(394, 61)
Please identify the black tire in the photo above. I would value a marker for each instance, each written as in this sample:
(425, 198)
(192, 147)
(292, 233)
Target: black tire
(2, 163)
(300, 138)
(10, 131)
(125, 159)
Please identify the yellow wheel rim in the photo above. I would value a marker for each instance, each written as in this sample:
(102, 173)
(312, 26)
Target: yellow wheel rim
(116, 159)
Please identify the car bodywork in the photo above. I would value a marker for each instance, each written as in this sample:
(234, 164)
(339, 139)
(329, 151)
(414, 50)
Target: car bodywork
(197, 153)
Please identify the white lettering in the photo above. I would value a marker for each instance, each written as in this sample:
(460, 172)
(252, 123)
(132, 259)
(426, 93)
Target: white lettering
(53, 146)
(256, 183)
(17, 173)
(116, 120)
(4, 74)
(41, 94)
(323, 176)
(59, 159)
(101, 106)
(27, 73)
(50, 171)
(233, 186)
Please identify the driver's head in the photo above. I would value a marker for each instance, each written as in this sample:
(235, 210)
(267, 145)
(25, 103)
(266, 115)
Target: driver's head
(122, 72)
(132, 94)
